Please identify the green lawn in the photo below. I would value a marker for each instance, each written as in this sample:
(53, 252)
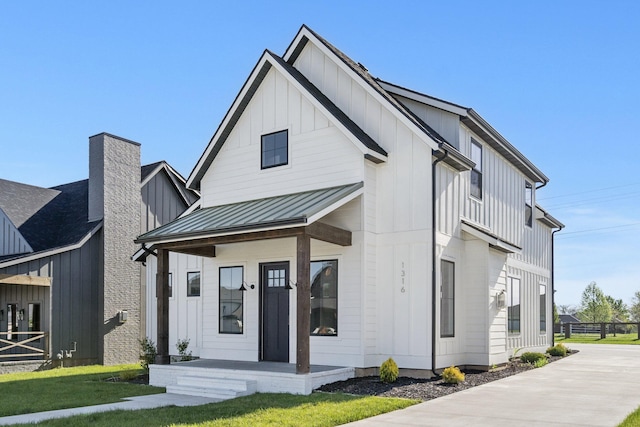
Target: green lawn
(631, 339)
(73, 387)
(23, 393)
(633, 420)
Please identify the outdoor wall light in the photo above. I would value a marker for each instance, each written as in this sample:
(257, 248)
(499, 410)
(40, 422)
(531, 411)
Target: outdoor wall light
(243, 288)
(21, 314)
(501, 299)
(123, 315)
(290, 285)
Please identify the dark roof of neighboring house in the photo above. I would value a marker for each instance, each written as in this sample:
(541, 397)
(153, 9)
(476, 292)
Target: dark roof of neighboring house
(50, 218)
(146, 170)
(21, 201)
(568, 318)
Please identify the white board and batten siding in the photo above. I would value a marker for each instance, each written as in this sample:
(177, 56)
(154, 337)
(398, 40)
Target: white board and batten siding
(185, 313)
(320, 155)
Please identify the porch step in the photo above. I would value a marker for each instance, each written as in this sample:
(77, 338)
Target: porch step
(212, 387)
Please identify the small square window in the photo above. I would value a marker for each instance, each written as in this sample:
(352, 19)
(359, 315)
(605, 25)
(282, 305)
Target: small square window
(193, 284)
(275, 149)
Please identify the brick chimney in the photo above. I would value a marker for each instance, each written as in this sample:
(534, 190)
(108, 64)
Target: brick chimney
(114, 197)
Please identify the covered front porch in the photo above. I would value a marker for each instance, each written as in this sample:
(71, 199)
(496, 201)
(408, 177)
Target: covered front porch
(24, 317)
(291, 218)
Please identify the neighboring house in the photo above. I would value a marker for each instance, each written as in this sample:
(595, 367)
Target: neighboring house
(568, 318)
(344, 220)
(68, 286)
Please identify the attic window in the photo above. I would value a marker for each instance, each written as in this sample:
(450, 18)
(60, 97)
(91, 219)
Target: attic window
(275, 149)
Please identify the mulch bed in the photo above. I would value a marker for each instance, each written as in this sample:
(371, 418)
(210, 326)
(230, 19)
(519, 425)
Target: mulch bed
(424, 389)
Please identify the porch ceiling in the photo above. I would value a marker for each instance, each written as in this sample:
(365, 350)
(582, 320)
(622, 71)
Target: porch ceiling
(270, 218)
(23, 279)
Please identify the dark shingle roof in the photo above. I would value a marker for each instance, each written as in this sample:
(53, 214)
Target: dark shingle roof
(21, 201)
(50, 218)
(61, 222)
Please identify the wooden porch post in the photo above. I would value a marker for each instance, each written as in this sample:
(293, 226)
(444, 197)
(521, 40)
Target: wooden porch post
(303, 303)
(162, 294)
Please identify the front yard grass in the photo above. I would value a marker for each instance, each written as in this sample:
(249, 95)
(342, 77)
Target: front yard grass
(268, 409)
(62, 388)
(81, 386)
(631, 339)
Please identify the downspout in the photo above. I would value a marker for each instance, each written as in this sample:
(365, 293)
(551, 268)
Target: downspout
(433, 259)
(553, 284)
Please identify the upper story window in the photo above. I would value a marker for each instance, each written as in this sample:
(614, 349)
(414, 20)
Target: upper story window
(476, 172)
(275, 149)
(528, 204)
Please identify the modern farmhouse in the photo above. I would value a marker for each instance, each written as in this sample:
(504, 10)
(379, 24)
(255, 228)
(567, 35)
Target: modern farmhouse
(344, 220)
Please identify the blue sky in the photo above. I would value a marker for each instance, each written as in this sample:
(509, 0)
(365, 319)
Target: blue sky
(558, 79)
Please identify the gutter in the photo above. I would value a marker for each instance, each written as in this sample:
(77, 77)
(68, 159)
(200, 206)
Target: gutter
(433, 258)
(553, 283)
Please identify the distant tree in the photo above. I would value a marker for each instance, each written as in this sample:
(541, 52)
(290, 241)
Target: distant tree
(594, 308)
(619, 310)
(556, 316)
(634, 310)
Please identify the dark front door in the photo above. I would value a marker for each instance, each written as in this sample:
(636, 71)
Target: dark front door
(274, 307)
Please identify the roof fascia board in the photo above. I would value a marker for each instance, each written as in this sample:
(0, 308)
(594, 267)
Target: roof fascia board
(506, 145)
(197, 172)
(317, 104)
(51, 252)
(492, 240)
(306, 33)
(173, 176)
(185, 238)
(423, 98)
(547, 219)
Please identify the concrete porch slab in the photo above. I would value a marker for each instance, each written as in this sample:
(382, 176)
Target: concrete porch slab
(271, 377)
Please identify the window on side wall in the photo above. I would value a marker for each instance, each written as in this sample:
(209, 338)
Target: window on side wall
(193, 284)
(324, 298)
(476, 172)
(528, 204)
(543, 309)
(275, 149)
(231, 300)
(447, 299)
(513, 309)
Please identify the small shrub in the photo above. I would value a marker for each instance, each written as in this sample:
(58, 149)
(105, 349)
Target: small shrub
(557, 350)
(149, 352)
(388, 371)
(452, 375)
(182, 350)
(540, 363)
(128, 375)
(532, 357)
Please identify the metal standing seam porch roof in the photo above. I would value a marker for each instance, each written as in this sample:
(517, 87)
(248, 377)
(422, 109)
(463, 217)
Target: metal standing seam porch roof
(253, 215)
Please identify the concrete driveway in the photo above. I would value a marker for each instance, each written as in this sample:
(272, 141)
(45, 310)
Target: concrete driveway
(599, 386)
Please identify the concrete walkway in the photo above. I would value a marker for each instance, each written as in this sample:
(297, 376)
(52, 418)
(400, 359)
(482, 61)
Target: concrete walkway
(131, 403)
(599, 386)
